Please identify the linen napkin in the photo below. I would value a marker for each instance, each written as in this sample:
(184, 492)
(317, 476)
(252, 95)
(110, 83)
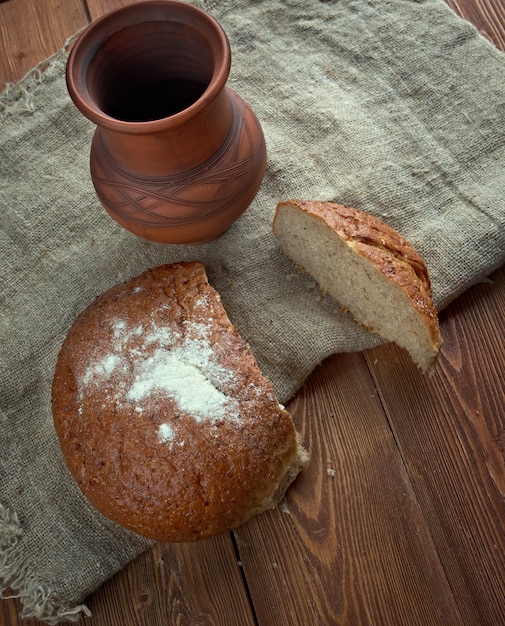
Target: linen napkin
(396, 107)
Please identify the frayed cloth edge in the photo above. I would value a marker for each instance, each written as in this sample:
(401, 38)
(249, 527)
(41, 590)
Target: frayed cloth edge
(18, 98)
(38, 600)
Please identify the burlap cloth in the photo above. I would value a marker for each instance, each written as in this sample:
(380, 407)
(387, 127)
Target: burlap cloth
(396, 107)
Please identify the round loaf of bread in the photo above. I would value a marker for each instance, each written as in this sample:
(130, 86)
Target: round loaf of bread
(368, 268)
(162, 414)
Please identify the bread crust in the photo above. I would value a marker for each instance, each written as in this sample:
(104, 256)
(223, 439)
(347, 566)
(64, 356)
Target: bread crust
(383, 247)
(179, 463)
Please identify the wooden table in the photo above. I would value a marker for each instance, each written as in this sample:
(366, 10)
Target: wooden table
(400, 516)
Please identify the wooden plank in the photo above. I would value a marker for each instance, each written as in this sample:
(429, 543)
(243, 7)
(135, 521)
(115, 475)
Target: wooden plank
(32, 30)
(171, 584)
(487, 15)
(176, 584)
(354, 548)
(319, 573)
(450, 430)
(454, 448)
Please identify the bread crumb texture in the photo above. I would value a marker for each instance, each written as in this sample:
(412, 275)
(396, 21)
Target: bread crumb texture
(368, 268)
(163, 416)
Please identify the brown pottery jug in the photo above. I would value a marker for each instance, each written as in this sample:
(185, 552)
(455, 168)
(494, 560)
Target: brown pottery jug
(177, 156)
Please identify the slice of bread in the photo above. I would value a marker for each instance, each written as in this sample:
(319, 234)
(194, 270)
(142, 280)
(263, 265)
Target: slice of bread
(163, 416)
(366, 266)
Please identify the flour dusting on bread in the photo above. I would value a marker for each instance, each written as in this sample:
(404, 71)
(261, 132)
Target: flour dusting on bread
(162, 413)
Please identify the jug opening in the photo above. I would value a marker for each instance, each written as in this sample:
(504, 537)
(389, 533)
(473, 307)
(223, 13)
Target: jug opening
(163, 71)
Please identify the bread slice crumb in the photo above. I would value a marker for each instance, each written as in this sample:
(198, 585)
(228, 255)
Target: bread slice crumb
(368, 268)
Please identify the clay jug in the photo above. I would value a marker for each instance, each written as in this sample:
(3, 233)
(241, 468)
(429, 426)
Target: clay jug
(177, 156)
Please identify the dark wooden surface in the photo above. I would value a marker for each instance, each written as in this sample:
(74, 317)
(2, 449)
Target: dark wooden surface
(399, 518)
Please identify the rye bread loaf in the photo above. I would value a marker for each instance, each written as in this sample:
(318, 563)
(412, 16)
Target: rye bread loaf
(163, 416)
(366, 266)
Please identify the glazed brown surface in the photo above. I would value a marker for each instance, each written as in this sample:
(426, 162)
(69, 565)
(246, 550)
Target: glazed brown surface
(164, 419)
(412, 531)
(159, 170)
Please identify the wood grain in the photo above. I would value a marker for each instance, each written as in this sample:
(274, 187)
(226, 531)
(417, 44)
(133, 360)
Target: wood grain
(352, 538)
(398, 518)
(198, 583)
(32, 30)
(184, 584)
(450, 431)
(487, 15)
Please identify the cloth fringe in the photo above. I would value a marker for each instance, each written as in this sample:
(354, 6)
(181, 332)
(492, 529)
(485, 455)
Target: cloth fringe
(17, 580)
(18, 97)
(38, 600)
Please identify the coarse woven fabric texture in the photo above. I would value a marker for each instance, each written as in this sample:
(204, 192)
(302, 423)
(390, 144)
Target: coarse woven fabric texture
(396, 107)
